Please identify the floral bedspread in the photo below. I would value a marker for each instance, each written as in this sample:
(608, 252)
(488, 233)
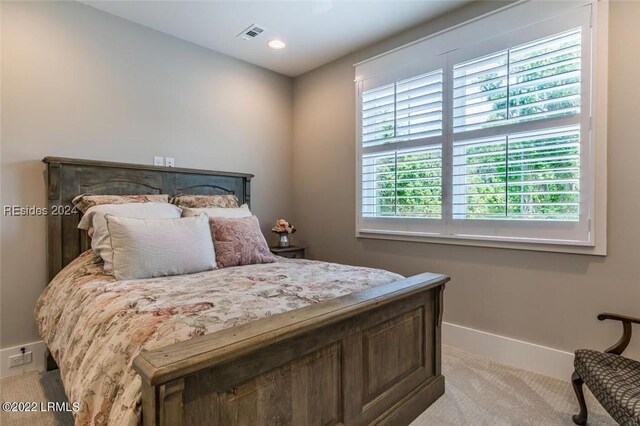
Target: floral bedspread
(95, 326)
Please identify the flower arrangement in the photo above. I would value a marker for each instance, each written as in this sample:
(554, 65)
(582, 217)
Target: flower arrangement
(283, 227)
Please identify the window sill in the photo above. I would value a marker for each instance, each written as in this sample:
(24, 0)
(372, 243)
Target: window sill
(557, 247)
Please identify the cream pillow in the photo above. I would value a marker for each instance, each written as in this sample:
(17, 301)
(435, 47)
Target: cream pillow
(147, 248)
(95, 218)
(229, 212)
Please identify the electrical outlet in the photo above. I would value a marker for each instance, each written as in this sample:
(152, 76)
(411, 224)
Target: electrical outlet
(21, 359)
(158, 161)
(169, 161)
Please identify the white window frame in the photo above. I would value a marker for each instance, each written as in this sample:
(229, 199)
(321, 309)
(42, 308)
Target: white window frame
(544, 18)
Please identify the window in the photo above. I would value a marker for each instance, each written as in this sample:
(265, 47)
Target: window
(403, 182)
(521, 176)
(490, 141)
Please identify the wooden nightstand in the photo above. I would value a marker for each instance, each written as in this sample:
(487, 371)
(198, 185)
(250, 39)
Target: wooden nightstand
(293, 252)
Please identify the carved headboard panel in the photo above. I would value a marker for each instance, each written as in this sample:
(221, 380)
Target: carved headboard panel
(67, 177)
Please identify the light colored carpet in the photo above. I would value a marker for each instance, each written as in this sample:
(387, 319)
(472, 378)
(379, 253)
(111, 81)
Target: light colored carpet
(34, 387)
(478, 392)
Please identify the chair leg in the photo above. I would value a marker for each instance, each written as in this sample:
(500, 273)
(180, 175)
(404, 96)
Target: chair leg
(581, 417)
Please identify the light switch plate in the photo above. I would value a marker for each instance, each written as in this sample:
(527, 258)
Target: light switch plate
(158, 161)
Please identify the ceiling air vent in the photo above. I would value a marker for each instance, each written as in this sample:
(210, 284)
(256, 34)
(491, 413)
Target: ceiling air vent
(251, 32)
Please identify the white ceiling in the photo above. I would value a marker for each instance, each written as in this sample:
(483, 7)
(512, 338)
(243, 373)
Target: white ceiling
(316, 32)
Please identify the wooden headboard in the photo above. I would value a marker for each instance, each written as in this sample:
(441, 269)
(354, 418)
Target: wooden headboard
(68, 177)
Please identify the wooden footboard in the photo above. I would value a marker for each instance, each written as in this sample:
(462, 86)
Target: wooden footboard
(369, 357)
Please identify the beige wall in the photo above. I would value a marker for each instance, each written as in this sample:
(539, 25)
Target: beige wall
(81, 83)
(545, 298)
(78, 82)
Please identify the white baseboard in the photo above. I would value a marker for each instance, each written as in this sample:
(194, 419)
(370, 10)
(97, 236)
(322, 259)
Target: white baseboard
(37, 350)
(511, 352)
(505, 350)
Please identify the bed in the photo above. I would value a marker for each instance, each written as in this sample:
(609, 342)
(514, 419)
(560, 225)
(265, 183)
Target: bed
(292, 342)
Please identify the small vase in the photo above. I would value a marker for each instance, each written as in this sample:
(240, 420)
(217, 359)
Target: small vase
(284, 241)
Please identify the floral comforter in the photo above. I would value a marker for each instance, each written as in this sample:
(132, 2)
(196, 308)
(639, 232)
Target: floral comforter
(95, 326)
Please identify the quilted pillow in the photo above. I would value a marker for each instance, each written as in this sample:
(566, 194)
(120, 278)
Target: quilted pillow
(84, 202)
(95, 221)
(205, 201)
(239, 241)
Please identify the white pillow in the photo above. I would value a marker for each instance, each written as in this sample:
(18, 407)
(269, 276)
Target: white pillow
(147, 248)
(95, 218)
(228, 212)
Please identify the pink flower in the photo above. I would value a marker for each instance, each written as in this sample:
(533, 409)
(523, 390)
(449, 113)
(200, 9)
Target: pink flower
(283, 227)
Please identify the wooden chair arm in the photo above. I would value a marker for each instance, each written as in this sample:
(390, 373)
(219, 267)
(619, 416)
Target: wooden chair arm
(626, 320)
(607, 315)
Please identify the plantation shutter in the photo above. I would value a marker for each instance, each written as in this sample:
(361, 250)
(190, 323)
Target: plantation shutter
(527, 176)
(512, 175)
(495, 143)
(406, 110)
(534, 81)
(401, 142)
(403, 183)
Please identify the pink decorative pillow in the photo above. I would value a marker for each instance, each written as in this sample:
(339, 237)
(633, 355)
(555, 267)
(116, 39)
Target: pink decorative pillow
(239, 241)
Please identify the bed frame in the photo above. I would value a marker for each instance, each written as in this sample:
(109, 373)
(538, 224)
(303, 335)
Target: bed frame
(371, 357)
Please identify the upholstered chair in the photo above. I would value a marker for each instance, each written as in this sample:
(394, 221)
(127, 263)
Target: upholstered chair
(612, 378)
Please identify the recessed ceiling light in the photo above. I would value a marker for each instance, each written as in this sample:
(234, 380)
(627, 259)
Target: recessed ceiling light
(277, 44)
